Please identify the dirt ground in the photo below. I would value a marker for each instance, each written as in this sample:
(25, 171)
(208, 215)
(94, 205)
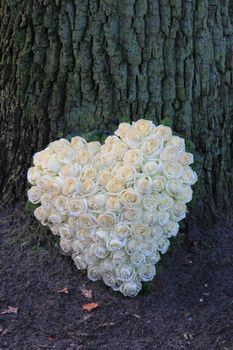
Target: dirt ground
(189, 306)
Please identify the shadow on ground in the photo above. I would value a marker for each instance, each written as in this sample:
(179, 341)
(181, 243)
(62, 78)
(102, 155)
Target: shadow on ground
(189, 306)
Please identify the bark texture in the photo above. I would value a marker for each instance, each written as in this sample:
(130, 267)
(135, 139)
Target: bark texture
(71, 65)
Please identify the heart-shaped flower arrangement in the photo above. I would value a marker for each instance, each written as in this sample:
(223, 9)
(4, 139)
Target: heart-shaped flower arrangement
(115, 205)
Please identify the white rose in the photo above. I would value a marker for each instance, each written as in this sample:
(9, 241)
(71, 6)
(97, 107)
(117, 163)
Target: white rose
(106, 266)
(103, 177)
(185, 194)
(107, 160)
(57, 145)
(186, 158)
(60, 204)
(109, 279)
(133, 157)
(42, 182)
(66, 155)
(143, 184)
(87, 221)
(141, 230)
(83, 156)
(144, 126)
(173, 170)
(131, 215)
(171, 229)
(146, 272)
(174, 187)
(71, 185)
(165, 202)
(54, 186)
(94, 147)
(159, 183)
(78, 143)
(119, 149)
(52, 164)
(130, 198)
(162, 217)
(170, 154)
(150, 202)
(106, 220)
(163, 132)
(77, 206)
(114, 185)
(56, 218)
(130, 289)
(132, 137)
(78, 246)
(133, 245)
(152, 167)
(65, 245)
(189, 176)
(148, 246)
(114, 243)
(88, 172)
(122, 230)
(113, 204)
(99, 235)
(72, 222)
(126, 173)
(163, 244)
(64, 231)
(97, 202)
(155, 257)
(149, 217)
(122, 129)
(88, 187)
(79, 261)
(157, 232)
(33, 174)
(125, 273)
(34, 194)
(41, 158)
(178, 211)
(94, 273)
(178, 142)
(99, 250)
(138, 259)
(152, 147)
(47, 201)
(70, 170)
(119, 258)
(41, 215)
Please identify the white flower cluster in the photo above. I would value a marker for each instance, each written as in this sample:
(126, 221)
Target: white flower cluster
(116, 205)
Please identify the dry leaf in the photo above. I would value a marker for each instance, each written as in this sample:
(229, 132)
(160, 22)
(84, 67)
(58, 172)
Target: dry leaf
(50, 338)
(10, 310)
(87, 293)
(90, 306)
(64, 290)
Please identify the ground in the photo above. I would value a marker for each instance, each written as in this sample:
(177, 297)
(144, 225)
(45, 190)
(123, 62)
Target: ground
(189, 306)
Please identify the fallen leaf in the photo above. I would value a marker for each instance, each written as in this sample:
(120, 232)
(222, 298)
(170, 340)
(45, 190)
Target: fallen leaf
(50, 338)
(64, 290)
(87, 293)
(90, 306)
(10, 310)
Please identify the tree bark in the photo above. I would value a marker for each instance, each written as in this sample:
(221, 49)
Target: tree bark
(80, 65)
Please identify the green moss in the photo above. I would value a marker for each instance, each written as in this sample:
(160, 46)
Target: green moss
(30, 207)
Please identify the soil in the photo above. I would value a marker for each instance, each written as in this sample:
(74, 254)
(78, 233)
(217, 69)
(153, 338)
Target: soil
(189, 306)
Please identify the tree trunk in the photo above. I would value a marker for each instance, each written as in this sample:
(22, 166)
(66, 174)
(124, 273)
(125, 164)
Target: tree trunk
(69, 65)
